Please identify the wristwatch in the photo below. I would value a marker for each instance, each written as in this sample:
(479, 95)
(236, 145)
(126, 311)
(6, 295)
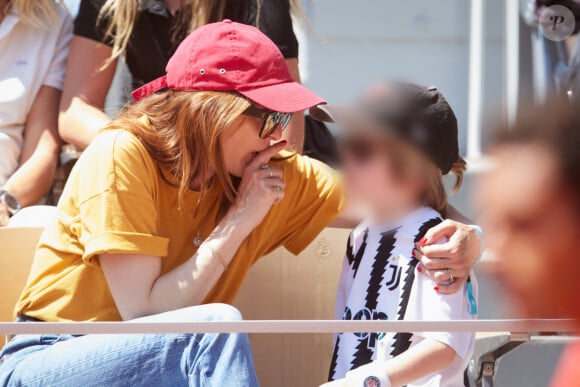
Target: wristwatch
(10, 202)
(371, 375)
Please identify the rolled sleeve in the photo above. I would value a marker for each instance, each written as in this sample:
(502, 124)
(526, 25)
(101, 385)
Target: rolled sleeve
(115, 242)
(57, 69)
(118, 210)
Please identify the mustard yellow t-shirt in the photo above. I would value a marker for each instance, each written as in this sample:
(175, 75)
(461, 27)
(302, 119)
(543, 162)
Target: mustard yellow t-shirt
(117, 201)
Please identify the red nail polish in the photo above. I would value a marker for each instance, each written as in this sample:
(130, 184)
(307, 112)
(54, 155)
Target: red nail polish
(419, 269)
(413, 254)
(436, 288)
(423, 241)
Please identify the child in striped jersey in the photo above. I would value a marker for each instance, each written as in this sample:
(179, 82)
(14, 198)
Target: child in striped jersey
(398, 144)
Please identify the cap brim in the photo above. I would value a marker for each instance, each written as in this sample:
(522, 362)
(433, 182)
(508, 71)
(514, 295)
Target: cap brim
(287, 97)
(327, 113)
(348, 118)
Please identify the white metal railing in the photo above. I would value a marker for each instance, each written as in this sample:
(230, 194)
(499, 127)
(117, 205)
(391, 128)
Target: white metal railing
(286, 326)
(512, 58)
(475, 91)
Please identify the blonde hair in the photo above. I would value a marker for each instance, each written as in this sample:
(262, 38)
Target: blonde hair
(181, 130)
(409, 162)
(120, 18)
(435, 195)
(37, 13)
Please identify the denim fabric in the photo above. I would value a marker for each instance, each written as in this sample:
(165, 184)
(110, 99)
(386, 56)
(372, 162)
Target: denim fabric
(134, 360)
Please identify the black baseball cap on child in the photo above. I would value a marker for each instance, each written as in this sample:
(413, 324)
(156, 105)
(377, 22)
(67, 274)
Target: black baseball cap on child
(417, 114)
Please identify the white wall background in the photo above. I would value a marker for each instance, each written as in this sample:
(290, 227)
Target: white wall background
(351, 44)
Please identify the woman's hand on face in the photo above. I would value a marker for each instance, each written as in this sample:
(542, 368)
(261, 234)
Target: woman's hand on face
(450, 263)
(261, 187)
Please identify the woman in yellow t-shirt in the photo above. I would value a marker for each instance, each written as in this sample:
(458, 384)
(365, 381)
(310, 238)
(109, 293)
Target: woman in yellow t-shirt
(152, 220)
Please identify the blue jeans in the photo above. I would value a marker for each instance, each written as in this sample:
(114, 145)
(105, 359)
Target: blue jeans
(134, 360)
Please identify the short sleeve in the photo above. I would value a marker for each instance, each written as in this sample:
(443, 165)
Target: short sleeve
(57, 69)
(87, 24)
(117, 185)
(314, 198)
(275, 21)
(428, 305)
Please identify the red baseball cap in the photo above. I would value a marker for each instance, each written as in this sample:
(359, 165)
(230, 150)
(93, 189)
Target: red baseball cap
(228, 56)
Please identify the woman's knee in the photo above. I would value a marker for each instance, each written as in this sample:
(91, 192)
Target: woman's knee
(212, 312)
(222, 312)
(208, 312)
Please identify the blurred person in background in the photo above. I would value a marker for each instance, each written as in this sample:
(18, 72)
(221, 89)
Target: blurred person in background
(146, 33)
(531, 212)
(34, 42)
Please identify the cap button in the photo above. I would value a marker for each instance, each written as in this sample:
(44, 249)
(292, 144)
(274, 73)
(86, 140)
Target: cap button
(226, 21)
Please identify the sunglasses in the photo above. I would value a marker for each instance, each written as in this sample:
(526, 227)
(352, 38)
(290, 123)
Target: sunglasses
(272, 120)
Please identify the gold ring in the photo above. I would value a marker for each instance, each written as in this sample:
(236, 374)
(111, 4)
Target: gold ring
(451, 278)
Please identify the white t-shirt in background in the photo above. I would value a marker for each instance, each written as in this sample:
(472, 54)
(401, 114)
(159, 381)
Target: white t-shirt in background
(380, 281)
(30, 57)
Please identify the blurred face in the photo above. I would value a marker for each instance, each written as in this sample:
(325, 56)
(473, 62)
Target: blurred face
(532, 226)
(241, 142)
(370, 179)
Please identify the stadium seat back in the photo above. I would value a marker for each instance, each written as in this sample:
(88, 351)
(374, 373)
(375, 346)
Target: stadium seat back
(17, 246)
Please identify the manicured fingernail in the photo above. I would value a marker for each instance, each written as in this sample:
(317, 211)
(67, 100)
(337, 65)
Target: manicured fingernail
(413, 253)
(436, 288)
(423, 241)
(419, 269)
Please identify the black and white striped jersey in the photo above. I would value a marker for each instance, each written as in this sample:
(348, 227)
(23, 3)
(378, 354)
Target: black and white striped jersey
(380, 281)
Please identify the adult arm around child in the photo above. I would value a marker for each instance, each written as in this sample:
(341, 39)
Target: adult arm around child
(457, 256)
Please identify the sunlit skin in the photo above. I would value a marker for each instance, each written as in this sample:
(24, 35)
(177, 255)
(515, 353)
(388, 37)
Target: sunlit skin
(241, 142)
(533, 227)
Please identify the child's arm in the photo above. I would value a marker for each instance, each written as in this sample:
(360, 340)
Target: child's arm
(420, 360)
